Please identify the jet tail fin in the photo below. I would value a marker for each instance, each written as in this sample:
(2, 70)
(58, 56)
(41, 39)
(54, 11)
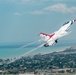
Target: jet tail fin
(44, 36)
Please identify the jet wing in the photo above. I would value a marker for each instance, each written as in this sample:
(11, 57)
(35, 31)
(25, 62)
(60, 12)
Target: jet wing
(45, 37)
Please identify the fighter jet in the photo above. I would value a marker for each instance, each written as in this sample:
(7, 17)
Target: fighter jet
(52, 39)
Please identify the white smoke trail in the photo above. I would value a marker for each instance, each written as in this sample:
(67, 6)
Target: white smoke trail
(32, 50)
(28, 44)
(25, 54)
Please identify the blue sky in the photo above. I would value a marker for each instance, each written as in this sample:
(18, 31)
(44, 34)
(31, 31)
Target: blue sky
(23, 20)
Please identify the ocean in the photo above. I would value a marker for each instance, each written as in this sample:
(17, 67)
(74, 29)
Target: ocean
(12, 51)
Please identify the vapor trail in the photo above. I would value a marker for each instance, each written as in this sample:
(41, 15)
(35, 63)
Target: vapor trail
(25, 54)
(28, 44)
(32, 50)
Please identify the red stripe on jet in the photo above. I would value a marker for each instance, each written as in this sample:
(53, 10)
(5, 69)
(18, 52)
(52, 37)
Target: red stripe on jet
(52, 35)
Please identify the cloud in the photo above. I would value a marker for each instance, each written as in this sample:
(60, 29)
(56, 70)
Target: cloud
(17, 14)
(60, 8)
(38, 12)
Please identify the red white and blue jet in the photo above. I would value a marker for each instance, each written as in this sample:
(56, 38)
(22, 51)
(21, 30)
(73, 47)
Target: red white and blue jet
(52, 39)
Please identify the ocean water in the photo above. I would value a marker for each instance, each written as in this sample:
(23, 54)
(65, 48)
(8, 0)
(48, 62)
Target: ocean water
(15, 51)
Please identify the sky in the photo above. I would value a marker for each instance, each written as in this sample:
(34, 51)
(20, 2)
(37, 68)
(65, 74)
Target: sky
(23, 20)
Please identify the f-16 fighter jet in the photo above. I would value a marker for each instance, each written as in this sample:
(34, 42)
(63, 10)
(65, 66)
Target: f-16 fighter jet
(52, 39)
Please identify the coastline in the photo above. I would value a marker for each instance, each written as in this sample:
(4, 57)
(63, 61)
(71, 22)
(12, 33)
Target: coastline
(15, 51)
